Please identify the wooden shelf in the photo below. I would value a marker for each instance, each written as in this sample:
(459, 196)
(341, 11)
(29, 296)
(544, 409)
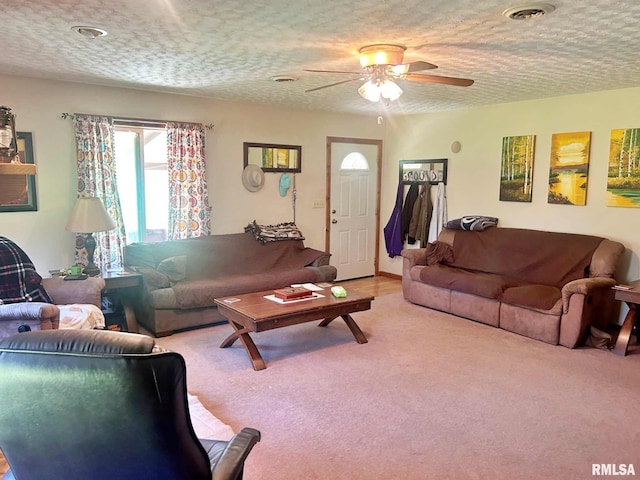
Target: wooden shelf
(17, 169)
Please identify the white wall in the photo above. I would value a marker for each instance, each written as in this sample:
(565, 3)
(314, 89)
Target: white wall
(474, 172)
(473, 181)
(38, 105)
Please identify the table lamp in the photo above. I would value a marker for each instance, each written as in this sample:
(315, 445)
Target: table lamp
(89, 216)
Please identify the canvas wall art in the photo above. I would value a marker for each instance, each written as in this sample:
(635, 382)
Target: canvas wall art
(623, 182)
(516, 171)
(569, 168)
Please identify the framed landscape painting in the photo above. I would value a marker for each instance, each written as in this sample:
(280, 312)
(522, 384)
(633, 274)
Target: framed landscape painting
(569, 168)
(623, 181)
(516, 171)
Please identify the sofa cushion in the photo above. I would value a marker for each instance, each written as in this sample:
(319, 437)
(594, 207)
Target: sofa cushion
(174, 268)
(477, 283)
(529, 255)
(439, 252)
(203, 292)
(542, 297)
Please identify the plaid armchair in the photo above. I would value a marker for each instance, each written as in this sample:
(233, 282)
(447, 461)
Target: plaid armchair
(29, 302)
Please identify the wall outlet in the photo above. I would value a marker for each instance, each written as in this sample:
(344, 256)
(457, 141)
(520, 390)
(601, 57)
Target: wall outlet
(318, 204)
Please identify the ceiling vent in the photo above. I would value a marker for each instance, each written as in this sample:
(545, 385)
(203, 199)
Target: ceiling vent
(527, 11)
(283, 78)
(89, 32)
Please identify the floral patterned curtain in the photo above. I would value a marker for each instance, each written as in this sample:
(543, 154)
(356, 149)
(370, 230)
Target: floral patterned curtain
(189, 211)
(97, 178)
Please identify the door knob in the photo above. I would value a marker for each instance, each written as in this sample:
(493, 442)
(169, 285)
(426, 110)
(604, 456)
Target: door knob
(334, 221)
(333, 211)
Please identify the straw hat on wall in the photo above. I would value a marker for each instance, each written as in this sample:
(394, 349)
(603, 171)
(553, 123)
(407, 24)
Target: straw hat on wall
(252, 178)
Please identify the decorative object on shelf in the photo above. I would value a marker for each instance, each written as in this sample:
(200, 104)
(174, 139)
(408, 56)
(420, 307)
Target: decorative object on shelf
(88, 216)
(419, 171)
(273, 158)
(623, 181)
(10, 161)
(8, 141)
(252, 178)
(569, 168)
(17, 179)
(516, 171)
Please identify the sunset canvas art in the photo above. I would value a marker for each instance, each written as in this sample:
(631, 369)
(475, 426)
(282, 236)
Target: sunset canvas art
(569, 168)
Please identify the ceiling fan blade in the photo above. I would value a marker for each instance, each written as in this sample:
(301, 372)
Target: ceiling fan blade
(420, 66)
(459, 82)
(332, 71)
(333, 84)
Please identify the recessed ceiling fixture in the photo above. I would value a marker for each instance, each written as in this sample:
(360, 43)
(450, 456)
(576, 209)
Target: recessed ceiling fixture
(89, 32)
(528, 10)
(283, 78)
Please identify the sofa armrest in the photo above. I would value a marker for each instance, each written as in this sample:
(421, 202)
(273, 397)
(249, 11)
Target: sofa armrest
(415, 256)
(87, 291)
(584, 286)
(47, 313)
(320, 261)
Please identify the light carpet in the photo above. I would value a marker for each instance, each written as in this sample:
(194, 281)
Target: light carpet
(430, 396)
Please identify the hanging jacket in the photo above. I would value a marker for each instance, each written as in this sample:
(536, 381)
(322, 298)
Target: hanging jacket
(439, 217)
(407, 208)
(393, 228)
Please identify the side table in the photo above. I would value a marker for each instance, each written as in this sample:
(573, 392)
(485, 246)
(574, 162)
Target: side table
(123, 289)
(631, 297)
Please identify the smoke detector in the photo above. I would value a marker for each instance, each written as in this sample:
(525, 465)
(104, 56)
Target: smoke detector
(529, 10)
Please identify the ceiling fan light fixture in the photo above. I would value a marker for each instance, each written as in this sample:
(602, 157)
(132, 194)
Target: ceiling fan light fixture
(375, 90)
(370, 91)
(390, 90)
(381, 54)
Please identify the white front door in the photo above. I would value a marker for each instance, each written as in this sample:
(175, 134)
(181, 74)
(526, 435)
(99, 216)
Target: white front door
(353, 208)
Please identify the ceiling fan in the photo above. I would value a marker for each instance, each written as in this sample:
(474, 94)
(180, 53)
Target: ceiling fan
(382, 67)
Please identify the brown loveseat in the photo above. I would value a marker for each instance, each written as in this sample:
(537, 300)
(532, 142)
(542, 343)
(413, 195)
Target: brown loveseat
(544, 285)
(183, 277)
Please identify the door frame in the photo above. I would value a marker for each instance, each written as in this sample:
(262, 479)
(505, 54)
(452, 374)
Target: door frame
(327, 220)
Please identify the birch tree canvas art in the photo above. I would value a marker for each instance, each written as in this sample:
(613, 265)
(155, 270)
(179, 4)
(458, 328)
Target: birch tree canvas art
(623, 182)
(569, 168)
(516, 171)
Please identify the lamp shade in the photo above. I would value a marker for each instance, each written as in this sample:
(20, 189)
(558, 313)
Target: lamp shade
(88, 216)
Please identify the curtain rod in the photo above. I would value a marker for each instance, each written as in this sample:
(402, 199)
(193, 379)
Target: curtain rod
(66, 115)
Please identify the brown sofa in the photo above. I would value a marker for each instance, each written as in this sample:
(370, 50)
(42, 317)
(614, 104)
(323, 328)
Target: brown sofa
(182, 278)
(545, 285)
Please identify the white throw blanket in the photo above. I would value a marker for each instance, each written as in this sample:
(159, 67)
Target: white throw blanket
(439, 216)
(81, 316)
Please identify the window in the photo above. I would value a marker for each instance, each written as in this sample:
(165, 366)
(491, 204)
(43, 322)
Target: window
(142, 181)
(354, 161)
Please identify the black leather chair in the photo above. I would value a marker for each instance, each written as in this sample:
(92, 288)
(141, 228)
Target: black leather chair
(96, 404)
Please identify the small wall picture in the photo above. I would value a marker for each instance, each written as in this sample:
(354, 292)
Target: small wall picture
(569, 168)
(623, 182)
(516, 171)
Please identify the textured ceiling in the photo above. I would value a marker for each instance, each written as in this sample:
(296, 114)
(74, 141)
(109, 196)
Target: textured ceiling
(230, 49)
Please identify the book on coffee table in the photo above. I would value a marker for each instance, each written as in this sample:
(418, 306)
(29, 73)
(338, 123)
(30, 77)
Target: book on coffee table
(292, 293)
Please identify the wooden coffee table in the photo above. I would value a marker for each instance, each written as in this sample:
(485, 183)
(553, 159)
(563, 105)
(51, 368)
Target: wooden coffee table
(253, 312)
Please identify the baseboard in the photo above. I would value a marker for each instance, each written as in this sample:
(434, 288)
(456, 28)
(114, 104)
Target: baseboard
(390, 275)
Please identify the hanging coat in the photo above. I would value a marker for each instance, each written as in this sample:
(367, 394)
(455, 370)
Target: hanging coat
(407, 208)
(393, 228)
(439, 217)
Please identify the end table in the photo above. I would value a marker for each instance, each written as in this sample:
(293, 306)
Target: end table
(123, 288)
(631, 297)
